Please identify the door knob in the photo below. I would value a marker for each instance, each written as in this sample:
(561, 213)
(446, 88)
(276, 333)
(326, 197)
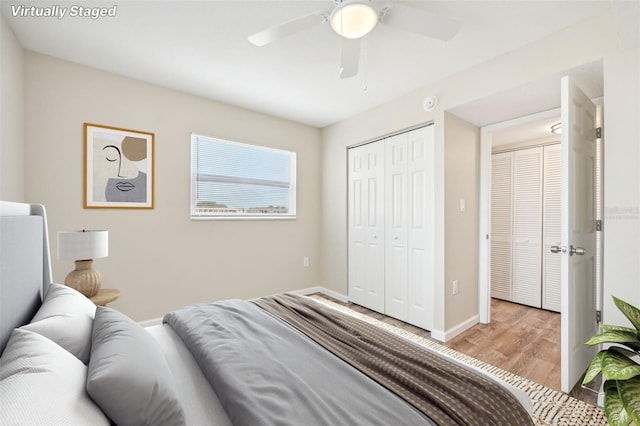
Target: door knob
(555, 249)
(576, 250)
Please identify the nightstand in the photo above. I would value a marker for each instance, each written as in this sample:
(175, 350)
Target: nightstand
(104, 296)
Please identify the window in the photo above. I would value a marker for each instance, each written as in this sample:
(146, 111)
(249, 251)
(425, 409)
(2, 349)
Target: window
(236, 180)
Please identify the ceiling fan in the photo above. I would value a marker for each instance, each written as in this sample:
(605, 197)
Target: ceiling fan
(354, 19)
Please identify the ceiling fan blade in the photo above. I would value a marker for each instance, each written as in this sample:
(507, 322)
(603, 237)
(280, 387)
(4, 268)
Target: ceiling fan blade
(279, 31)
(350, 57)
(420, 21)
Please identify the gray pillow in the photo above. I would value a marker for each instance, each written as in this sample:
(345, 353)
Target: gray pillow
(128, 376)
(66, 317)
(43, 384)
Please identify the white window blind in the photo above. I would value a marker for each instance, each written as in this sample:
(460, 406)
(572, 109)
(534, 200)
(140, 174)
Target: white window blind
(237, 180)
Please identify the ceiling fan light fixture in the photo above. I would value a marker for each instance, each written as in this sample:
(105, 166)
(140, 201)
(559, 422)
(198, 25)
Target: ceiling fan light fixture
(353, 18)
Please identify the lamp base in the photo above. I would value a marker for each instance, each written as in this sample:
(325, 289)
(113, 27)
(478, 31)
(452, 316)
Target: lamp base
(84, 278)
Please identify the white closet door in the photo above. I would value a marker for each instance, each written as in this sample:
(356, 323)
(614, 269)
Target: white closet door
(420, 218)
(366, 226)
(527, 227)
(501, 225)
(551, 227)
(396, 263)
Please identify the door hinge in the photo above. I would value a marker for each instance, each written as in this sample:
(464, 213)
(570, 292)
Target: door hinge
(598, 317)
(598, 225)
(598, 132)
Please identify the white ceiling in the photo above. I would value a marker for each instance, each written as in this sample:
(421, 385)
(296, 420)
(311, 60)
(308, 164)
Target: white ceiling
(201, 48)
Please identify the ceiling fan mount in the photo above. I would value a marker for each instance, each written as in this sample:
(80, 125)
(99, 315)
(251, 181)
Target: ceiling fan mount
(354, 19)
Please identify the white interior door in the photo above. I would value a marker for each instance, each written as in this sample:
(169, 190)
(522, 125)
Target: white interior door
(551, 207)
(357, 224)
(527, 226)
(501, 225)
(396, 264)
(420, 223)
(366, 226)
(578, 229)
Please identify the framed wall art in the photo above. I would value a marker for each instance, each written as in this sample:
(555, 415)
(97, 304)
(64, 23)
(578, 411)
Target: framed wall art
(118, 168)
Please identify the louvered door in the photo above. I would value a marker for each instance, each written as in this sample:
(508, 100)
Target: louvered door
(525, 222)
(527, 226)
(501, 225)
(551, 227)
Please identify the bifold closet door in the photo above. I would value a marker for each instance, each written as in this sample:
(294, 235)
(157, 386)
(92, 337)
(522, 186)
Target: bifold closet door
(366, 225)
(408, 217)
(396, 226)
(527, 226)
(501, 225)
(551, 227)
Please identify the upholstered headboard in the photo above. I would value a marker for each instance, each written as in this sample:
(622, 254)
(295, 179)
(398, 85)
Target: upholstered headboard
(25, 264)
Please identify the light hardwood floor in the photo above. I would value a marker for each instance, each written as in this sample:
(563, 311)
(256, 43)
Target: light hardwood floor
(522, 340)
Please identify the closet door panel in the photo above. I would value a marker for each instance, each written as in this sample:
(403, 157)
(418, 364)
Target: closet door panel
(391, 226)
(501, 225)
(420, 235)
(357, 225)
(366, 226)
(551, 227)
(527, 227)
(396, 227)
(374, 258)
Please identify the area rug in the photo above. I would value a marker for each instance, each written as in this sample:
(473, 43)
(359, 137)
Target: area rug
(550, 407)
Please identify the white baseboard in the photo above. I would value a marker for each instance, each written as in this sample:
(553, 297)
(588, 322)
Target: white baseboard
(447, 335)
(338, 296)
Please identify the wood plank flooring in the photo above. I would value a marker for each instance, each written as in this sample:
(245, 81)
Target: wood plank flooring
(522, 340)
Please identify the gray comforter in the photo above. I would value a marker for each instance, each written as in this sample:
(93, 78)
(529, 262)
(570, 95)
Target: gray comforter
(267, 373)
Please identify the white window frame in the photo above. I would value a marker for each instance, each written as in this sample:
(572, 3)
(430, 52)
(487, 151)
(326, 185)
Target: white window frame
(214, 214)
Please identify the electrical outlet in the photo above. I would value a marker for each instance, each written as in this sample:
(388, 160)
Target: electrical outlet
(456, 287)
(305, 262)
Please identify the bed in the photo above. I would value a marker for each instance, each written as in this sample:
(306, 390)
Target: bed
(283, 359)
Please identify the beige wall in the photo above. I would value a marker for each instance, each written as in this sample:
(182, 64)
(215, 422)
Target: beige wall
(591, 40)
(461, 156)
(159, 258)
(621, 182)
(12, 116)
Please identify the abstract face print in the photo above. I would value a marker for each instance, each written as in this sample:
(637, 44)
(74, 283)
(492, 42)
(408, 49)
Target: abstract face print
(119, 168)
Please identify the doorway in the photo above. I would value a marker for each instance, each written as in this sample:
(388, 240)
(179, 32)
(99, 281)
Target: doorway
(525, 212)
(591, 304)
(510, 109)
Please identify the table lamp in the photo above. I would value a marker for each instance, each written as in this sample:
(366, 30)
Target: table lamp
(82, 247)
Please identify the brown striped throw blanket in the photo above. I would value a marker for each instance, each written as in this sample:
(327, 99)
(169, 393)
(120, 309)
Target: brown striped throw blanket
(289, 360)
(443, 391)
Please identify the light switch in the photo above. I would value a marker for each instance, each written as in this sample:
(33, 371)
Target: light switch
(462, 205)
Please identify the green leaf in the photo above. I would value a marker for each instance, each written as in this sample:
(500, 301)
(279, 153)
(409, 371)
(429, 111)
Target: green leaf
(629, 391)
(631, 312)
(616, 366)
(613, 407)
(628, 338)
(607, 327)
(594, 368)
(624, 351)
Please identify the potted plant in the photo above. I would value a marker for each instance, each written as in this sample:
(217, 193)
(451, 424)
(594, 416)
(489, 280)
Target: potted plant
(620, 367)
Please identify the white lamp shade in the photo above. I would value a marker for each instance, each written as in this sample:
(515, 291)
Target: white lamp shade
(353, 18)
(82, 245)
